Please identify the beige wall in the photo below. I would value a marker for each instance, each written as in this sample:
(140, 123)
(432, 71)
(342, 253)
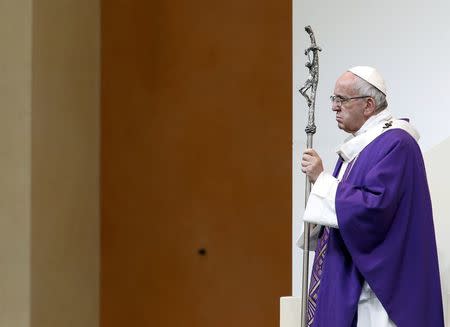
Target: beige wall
(49, 159)
(436, 161)
(15, 110)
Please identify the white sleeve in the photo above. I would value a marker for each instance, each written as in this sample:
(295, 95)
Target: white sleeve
(321, 208)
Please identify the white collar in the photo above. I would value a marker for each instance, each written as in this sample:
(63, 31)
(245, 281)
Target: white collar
(371, 129)
(383, 116)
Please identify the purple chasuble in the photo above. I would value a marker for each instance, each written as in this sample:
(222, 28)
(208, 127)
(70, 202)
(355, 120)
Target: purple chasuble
(385, 237)
(319, 259)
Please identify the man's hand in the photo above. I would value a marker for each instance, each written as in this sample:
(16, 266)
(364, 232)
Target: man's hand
(311, 164)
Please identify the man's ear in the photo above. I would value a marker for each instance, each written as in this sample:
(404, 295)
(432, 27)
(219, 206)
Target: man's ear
(370, 108)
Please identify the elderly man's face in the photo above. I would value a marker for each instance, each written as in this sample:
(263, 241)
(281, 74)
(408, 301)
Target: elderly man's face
(350, 115)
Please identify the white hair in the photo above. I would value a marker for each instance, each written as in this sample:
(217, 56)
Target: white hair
(365, 88)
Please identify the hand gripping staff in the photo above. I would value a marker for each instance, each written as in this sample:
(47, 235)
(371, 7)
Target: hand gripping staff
(310, 87)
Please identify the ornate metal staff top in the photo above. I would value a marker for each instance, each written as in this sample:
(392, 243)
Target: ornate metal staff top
(312, 81)
(310, 86)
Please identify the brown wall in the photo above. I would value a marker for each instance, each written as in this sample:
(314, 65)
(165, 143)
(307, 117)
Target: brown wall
(196, 153)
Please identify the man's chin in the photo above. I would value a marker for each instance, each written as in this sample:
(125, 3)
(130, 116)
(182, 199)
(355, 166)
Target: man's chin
(342, 127)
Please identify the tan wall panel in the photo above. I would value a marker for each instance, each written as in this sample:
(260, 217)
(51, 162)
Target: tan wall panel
(15, 113)
(196, 153)
(65, 163)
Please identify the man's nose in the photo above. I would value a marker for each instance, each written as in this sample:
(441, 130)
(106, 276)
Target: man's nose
(335, 107)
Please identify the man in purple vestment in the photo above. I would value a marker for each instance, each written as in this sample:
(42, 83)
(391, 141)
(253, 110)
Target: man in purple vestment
(376, 261)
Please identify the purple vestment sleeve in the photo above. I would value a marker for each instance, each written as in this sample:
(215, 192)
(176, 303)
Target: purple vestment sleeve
(385, 237)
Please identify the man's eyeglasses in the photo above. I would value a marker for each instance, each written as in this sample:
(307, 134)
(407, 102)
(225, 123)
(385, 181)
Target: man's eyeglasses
(339, 100)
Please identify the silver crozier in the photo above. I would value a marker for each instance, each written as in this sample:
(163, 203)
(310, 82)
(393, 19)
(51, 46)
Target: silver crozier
(309, 90)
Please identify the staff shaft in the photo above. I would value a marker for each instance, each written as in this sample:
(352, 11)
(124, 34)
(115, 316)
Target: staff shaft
(306, 237)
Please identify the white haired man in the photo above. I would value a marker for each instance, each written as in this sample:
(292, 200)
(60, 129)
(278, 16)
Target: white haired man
(376, 261)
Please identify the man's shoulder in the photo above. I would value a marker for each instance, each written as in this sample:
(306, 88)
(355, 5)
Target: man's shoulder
(397, 136)
(394, 140)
